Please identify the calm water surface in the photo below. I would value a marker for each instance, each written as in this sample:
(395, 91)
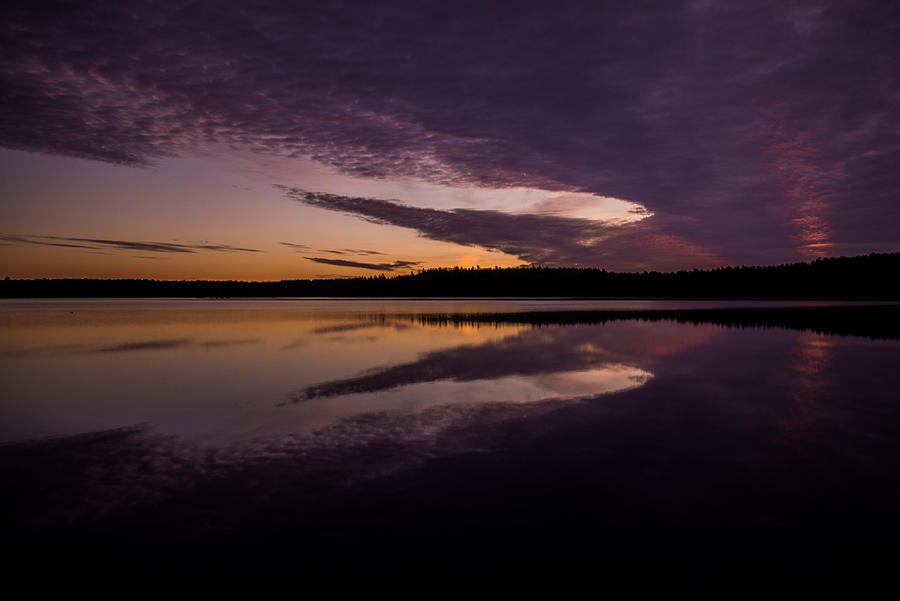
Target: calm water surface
(686, 431)
(225, 369)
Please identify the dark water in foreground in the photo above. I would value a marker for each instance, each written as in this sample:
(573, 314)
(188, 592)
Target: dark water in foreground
(693, 436)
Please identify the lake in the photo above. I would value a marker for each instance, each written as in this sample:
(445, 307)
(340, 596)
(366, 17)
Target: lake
(714, 432)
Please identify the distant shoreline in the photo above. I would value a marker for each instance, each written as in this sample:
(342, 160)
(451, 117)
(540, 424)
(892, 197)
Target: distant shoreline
(869, 277)
(856, 301)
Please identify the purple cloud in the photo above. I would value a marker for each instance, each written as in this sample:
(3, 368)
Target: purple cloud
(760, 130)
(545, 239)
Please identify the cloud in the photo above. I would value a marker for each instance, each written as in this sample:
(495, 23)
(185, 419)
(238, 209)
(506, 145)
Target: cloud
(302, 248)
(358, 251)
(296, 247)
(360, 265)
(342, 251)
(534, 238)
(129, 245)
(754, 129)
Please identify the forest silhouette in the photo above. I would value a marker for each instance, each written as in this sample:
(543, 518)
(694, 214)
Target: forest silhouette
(869, 276)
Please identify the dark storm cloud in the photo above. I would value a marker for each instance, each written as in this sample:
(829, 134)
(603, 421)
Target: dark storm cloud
(99, 243)
(358, 264)
(752, 128)
(544, 239)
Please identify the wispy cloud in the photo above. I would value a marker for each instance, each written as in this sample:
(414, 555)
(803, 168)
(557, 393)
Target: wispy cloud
(301, 248)
(128, 245)
(297, 247)
(360, 265)
(361, 251)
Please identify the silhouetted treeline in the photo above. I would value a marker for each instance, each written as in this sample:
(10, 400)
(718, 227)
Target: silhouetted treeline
(870, 276)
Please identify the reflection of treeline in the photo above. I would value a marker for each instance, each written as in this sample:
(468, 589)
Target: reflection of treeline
(873, 321)
(872, 276)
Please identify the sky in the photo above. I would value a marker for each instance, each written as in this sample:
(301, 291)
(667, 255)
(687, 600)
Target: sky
(280, 140)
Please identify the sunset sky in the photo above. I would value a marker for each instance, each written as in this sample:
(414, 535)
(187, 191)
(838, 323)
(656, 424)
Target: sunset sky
(279, 140)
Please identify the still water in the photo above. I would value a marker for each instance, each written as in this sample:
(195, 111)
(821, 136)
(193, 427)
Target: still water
(124, 404)
(223, 370)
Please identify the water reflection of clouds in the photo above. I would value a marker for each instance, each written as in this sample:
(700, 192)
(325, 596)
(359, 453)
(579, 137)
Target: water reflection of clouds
(187, 376)
(143, 345)
(370, 322)
(809, 386)
(560, 386)
(768, 424)
(124, 347)
(350, 327)
(529, 365)
(367, 338)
